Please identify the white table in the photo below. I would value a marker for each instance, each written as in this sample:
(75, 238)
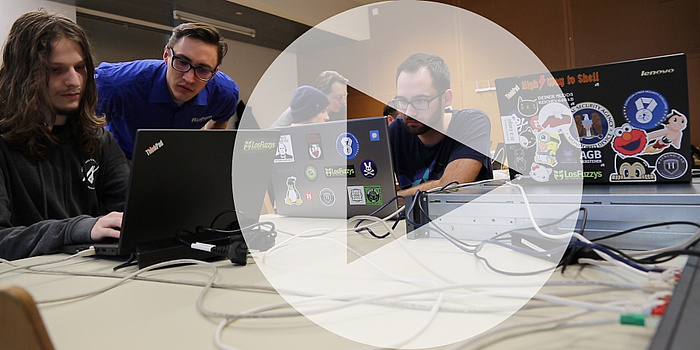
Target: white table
(143, 314)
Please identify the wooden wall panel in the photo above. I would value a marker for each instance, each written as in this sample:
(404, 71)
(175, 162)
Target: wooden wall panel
(603, 31)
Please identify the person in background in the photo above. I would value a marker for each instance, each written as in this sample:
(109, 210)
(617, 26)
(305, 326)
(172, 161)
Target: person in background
(184, 90)
(335, 87)
(308, 106)
(425, 157)
(63, 178)
(235, 121)
(390, 113)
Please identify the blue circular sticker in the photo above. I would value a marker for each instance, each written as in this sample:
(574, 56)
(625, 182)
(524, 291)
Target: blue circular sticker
(645, 109)
(369, 168)
(347, 145)
(594, 124)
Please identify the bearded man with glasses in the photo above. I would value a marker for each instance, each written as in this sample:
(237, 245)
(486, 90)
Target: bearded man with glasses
(184, 90)
(432, 145)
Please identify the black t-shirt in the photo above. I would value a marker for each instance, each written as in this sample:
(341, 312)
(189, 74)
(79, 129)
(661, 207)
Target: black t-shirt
(468, 136)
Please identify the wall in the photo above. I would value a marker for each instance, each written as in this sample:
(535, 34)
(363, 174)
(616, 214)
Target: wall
(578, 33)
(115, 42)
(12, 9)
(475, 49)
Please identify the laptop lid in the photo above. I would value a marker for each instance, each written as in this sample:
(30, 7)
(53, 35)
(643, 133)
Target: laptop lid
(335, 169)
(629, 119)
(182, 179)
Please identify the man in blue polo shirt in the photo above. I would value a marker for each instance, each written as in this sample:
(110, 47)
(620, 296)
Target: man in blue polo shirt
(184, 90)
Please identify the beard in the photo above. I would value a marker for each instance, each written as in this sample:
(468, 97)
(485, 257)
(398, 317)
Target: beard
(67, 111)
(421, 128)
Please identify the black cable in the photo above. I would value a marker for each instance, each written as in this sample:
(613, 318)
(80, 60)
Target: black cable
(448, 185)
(656, 258)
(239, 215)
(643, 227)
(130, 261)
(396, 198)
(240, 239)
(511, 273)
(672, 254)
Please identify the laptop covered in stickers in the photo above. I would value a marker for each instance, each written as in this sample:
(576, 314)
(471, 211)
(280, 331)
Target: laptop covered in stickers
(623, 122)
(336, 169)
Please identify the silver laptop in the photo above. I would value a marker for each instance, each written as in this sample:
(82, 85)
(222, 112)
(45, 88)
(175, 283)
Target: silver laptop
(335, 169)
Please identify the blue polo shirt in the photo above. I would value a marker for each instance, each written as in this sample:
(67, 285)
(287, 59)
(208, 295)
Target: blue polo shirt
(134, 95)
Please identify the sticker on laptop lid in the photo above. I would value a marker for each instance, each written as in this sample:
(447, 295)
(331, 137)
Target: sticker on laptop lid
(373, 195)
(347, 145)
(629, 141)
(311, 173)
(327, 197)
(313, 142)
(509, 124)
(645, 109)
(339, 171)
(356, 195)
(285, 152)
(292, 195)
(258, 145)
(671, 165)
(632, 169)
(670, 134)
(374, 135)
(309, 196)
(555, 117)
(594, 123)
(369, 168)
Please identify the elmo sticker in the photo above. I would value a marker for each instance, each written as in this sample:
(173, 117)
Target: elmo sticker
(629, 141)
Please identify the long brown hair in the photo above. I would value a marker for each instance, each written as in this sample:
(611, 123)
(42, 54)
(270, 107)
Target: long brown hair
(24, 81)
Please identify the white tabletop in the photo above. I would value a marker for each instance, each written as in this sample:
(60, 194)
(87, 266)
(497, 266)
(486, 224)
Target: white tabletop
(162, 312)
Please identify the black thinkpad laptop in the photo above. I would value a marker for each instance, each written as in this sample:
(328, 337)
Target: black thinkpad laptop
(182, 179)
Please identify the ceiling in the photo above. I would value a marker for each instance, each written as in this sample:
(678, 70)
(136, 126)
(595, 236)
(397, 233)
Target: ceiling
(271, 19)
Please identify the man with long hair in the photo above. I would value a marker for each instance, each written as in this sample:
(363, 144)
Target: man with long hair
(183, 90)
(63, 178)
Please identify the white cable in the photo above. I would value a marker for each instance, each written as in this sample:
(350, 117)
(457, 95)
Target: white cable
(87, 252)
(569, 234)
(537, 228)
(365, 299)
(131, 276)
(678, 246)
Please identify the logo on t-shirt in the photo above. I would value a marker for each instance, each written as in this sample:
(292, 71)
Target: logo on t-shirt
(90, 172)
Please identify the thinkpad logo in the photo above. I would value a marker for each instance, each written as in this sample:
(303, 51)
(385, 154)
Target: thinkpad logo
(156, 146)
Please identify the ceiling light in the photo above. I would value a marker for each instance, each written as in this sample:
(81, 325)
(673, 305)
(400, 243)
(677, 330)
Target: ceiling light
(218, 24)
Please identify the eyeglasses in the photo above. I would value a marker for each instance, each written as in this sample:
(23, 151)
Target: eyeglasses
(182, 66)
(419, 104)
(340, 97)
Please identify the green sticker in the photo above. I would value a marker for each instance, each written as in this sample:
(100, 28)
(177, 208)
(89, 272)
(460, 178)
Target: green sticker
(373, 195)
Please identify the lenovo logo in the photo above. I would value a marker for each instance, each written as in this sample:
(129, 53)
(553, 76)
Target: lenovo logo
(657, 72)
